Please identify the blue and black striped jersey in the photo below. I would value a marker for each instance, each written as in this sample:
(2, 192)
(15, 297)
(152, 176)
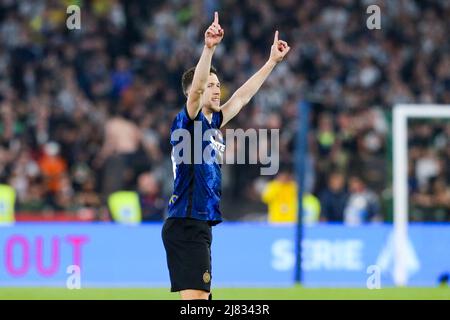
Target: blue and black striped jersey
(197, 182)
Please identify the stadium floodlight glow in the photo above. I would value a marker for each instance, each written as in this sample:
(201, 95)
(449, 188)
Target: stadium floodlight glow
(401, 114)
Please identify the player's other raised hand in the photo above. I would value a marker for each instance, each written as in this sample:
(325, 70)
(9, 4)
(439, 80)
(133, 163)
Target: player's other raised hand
(214, 34)
(279, 49)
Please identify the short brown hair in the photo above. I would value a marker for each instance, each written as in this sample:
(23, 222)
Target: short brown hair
(188, 75)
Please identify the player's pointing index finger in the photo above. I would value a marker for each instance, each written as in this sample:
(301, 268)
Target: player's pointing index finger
(216, 17)
(275, 39)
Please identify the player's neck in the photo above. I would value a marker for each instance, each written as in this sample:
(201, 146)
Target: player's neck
(208, 114)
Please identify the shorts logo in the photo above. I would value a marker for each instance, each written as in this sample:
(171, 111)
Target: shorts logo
(206, 277)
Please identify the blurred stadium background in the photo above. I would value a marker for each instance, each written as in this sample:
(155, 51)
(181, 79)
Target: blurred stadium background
(86, 115)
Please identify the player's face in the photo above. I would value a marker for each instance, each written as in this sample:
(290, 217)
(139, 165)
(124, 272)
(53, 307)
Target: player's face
(211, 96)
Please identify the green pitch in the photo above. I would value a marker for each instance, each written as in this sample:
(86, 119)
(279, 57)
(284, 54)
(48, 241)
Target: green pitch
(294, 293)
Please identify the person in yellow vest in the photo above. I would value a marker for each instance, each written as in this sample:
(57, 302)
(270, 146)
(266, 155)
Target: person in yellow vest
(7, 203)
(125, 207)
(280, 195)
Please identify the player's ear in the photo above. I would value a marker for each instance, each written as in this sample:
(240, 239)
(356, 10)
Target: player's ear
(186, 93)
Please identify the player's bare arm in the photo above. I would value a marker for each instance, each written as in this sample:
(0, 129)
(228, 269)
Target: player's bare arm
(213, 36)
(243, 95)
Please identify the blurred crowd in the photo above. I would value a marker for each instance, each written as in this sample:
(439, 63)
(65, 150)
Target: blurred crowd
(88, 112)
(429, 172)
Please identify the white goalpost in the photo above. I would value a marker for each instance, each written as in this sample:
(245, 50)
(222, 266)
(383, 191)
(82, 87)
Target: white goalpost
(401, 114)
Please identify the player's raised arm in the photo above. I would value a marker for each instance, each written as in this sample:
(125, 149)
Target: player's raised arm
(243, 95)
(213, 36)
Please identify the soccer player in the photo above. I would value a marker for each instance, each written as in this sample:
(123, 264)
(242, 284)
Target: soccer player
(194, 205)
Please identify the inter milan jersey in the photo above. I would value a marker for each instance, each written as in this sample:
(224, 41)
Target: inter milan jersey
(196, 167)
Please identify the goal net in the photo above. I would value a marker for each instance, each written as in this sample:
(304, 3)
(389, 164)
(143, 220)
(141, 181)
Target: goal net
(402, 114)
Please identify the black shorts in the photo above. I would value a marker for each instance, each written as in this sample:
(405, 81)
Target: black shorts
(188, 250)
